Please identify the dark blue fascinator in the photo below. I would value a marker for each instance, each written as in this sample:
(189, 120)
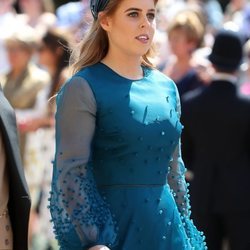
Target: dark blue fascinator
(96, 6)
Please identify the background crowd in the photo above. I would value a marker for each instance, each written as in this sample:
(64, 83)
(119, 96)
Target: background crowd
(36, 37)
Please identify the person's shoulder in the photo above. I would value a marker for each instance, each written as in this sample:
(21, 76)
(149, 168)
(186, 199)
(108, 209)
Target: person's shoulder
(244, 99)
(5, 105)
(193, 100)
(78, 81)
(160, 75)
(83, 74)
(94, 74)
(76, 89)
(165, 82)
(192, 95)
(241, 102)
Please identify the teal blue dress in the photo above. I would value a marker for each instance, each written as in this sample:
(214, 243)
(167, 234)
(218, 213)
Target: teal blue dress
(118, 175)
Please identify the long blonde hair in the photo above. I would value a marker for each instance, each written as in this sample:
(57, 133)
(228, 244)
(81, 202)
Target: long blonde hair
(94, 46)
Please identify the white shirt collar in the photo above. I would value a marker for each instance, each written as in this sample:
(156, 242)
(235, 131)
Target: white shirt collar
(224, 76)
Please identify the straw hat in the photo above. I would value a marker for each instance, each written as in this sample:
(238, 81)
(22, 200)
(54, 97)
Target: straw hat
(23, 35)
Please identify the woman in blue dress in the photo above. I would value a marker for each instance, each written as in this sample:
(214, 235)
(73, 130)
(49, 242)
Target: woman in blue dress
(118, 177)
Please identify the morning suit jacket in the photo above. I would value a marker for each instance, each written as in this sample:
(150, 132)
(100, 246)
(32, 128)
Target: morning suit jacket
(216, 147)
(19, 200)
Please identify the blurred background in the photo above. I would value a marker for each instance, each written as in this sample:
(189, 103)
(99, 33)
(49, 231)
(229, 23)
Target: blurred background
(36, 38)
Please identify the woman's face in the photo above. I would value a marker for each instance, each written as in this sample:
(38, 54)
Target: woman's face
(179, 43)
(18, 55)
(47, 57)
(31, 6)
(5, 6)
(131, 28)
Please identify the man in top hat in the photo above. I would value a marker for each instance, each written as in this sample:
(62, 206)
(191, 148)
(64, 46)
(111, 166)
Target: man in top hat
(216, 147)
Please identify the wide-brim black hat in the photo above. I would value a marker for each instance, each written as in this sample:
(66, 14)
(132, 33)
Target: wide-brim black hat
(227, 51)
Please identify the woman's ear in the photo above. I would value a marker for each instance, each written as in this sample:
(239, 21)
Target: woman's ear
(105, 21)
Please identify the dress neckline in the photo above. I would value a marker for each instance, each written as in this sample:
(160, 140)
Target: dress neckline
(145, 70)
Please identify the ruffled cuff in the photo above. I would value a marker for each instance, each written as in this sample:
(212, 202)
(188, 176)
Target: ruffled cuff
(196, 238)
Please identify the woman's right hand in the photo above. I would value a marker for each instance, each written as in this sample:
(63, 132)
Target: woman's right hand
(99, 247)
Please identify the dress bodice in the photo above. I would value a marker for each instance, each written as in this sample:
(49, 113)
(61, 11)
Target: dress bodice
(136, 133)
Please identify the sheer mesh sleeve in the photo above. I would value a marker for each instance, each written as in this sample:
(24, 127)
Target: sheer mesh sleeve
(176, 180)
(75, 203)
(179, 187)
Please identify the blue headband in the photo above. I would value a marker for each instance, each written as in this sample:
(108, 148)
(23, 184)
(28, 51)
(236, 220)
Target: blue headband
(96, 6)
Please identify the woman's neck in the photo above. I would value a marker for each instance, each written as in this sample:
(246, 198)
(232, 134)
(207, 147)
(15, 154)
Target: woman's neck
(178, 68)
(126, 66)
(183, 64)
(183, 59)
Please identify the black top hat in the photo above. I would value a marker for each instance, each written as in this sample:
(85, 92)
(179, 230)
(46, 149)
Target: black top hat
(227, 51)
